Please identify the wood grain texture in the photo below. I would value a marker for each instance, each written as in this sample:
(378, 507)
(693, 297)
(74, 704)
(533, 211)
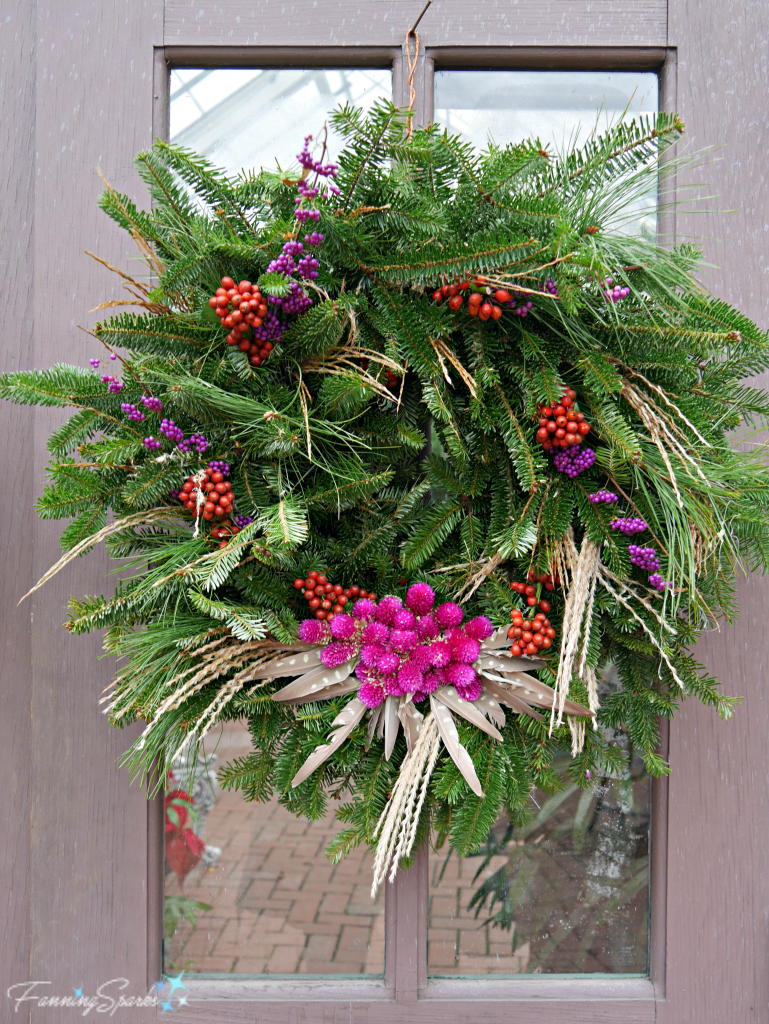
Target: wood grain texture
(385, 23)
(17, 131)
(88, 826)
(718, 841)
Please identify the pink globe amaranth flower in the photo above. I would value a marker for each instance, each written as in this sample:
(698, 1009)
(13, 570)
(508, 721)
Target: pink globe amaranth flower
(391, 686)
(404, 619)
(472, 691)
(418, 697)
(364, 609)
(432, 680)
(313, 631)
(375, 633)
(403, 639)
(479, 628)
(428, 628)
(367, 674)
(371, 653)
(387, 608)
(420, 598)
(464, 649)
(409, 678)
(448, 615)
(337, 654)
(342, 627)
(460, 675)
(388, 662)
(371, 695)
(422, 657)
(440, 653)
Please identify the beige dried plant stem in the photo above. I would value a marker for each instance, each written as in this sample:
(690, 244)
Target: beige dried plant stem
(152, 515)
(582, 586)
(399, 820)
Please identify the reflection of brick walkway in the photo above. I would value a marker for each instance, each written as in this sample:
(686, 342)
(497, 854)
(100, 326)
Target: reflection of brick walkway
(457, 942)
(279, 906)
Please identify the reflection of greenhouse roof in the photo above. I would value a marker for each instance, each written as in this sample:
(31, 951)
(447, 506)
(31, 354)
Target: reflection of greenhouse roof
(242, 117)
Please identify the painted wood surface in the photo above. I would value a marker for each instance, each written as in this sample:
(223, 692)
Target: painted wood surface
(88, 919)
(77, 88)
(385, 22)
(17, 132)
(718, 884)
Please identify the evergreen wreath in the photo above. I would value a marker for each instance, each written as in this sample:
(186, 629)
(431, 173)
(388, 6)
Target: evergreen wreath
(448, 377)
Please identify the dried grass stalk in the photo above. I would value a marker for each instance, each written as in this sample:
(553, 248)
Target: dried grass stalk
(400, 818)
(580, 592)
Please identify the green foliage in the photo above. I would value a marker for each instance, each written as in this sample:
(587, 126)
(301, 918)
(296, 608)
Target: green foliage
(389, 436)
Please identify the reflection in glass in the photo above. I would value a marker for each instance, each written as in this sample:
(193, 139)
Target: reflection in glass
(244, 118)
(261, 897)
(566, 894)
(560, 108)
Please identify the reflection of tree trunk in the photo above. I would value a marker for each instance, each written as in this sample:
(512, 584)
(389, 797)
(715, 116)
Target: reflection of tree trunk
(593, 908)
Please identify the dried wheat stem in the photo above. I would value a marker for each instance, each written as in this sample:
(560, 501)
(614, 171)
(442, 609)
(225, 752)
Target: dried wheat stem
(398, 822)
(574, 612)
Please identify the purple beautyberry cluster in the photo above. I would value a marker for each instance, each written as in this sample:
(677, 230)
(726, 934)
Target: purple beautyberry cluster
(284, 264)
(175, 492)
(113, 384)
(151, 444)
(307, 267)
(630, 526)
(153, 404)
(550, 286)
(271, 329)
(599, 496)
(196, 441)
(295, 302)
(306, 161)
(303, 215)
(241, 521)
(293, 248)
(404, 650)
(131, 411)
(644, 558)
(171, 431)
(315, 238)
(658, 582)
(94, 362)
(219, 466)
(613, 294)
(573, 460)
(517, 304)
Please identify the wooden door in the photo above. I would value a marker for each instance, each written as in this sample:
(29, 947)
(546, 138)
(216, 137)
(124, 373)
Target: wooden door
(83, 88)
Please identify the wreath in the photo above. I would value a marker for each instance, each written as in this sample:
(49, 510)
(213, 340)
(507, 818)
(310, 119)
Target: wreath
(397, 456)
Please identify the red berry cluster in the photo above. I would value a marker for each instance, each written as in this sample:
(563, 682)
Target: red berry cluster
(219, 499)
(328, 599)
(529, 636)
(561, 425)
(479, 303)
(239, 307)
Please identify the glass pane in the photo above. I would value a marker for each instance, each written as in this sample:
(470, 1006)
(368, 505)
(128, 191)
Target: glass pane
(245, 118)
(567, 894)
(276, 904)
(558, 107)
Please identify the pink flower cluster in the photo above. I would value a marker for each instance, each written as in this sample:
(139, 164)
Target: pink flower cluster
(404, 650)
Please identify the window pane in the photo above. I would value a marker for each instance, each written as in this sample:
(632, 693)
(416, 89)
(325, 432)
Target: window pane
(245, 118)
(558, 107)
(567, 894)
(277, 904)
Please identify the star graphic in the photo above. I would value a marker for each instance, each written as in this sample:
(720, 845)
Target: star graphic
(168, 1006)
(176, 982)
(78, 993)
(183, 1001)
(160, 984)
